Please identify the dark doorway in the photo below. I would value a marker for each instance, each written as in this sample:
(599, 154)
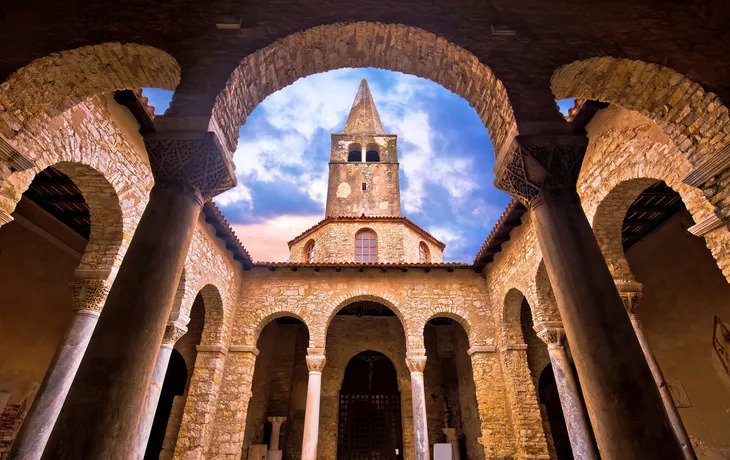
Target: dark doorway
(370, 412)
(174, 385)
(548, 392)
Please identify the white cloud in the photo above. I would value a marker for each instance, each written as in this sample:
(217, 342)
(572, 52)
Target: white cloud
(239, 194)
(452, 237)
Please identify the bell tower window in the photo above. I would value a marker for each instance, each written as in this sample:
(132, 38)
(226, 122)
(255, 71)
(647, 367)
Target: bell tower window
(355, 153)
(372, 155)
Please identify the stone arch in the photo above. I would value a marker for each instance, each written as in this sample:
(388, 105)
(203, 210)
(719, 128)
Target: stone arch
(461, 317)
(358, 45)
(695, 119)
(546, 307)
(265, 317)
(52, 84)
(318, 332)
(511, 328)
(213, 328)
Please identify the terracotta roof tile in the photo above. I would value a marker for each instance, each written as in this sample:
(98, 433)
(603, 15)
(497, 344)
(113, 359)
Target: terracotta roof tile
(223, 230)
(514, 211)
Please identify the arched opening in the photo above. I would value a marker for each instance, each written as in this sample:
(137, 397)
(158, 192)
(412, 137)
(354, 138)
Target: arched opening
(365, 326)
(547, 391)
(173, 386)
(279, 387)
(354, 153)
(67, 220)
(424, 254)
(309, 252)
(366, 246)
(682, 293)
(372, 153)
(451, 405)
(369, 409)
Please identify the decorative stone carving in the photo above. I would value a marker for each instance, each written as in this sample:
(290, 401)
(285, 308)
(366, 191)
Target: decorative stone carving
(5, 217)
(173, 332)
(537, 163)
(552, 335)
(630, 293)
(192, 158)
(416, 363)
(315, 363)
(89, 294)
(706, 225)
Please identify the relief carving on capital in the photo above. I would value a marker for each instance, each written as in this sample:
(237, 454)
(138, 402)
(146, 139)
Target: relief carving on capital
(315, 363)
(173, 332)
(538, 163)
(416, 363)
(196, 160)
(552, 336)
(89, 294)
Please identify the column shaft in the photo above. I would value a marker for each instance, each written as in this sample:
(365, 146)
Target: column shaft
(110, 387)
(622, 400)
(674, 418)
(144, 427)
(38, 424)
(315, 363)
(417, 364)
(579, 428)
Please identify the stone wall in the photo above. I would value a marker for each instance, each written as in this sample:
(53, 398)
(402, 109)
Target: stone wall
(335, 242)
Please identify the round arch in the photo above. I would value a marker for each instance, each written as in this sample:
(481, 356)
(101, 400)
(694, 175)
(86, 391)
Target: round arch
(459, 317)
(263, 321)
(511, 332)
(319, 337)
(358, 45)
(213, 323)
(52, 84)
(546, 307)
(676, 103)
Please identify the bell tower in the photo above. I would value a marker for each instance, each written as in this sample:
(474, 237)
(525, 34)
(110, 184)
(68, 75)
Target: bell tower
(363, 168)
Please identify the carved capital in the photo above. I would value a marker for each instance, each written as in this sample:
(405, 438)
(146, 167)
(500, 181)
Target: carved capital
(192, 158)
(416, 363)
(315, 363)
(630, 292)
(554, 337)
(538, 163)
(277, 420)
(89, 294)
(173, 332)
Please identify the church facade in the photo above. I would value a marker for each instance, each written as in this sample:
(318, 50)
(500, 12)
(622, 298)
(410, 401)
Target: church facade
(365, 344)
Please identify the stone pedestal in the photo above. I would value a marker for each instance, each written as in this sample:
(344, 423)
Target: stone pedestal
(315, 364)
(579, 428)
(416, 362)
(173, 332)
(631, 296)
(108, 393)
(89, 297)
(453, 439)
(623, 403)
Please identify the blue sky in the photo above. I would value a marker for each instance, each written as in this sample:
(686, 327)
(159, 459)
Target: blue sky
(445, 153)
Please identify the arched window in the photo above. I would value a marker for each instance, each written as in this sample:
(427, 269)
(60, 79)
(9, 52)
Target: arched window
(366, 246)
(424, 255)
(372, 155)
(355, 153)
(309, 252)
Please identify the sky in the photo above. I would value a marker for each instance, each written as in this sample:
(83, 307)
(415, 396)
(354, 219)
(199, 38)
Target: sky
(446, 160)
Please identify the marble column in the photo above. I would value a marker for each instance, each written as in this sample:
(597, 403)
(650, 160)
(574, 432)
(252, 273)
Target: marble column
(89, 296)
(623, 402)
(173, 332)
(416, 362)
(452, 439)
(576, 420)
(631, 296)
(108, 393)
(275, 431)
(315, 364)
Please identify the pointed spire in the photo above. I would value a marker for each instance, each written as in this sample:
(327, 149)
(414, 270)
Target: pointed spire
(363, 118)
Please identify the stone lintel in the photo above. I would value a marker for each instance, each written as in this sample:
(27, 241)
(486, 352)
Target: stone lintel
(481, 349)
(315, 351)
(416, 352)
(179, 317)
(542, 325)
(212, 349)
(243, 349)
(83, 274)
(711, 167)
(706, 225)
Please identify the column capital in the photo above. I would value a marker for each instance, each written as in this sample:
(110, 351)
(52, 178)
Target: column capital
(315, 359)
(191, 158)
(173, 332)
(552, 333)
(276, 419)
(416, 363)
(630, 292)
(539, 162)
(89, 295)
